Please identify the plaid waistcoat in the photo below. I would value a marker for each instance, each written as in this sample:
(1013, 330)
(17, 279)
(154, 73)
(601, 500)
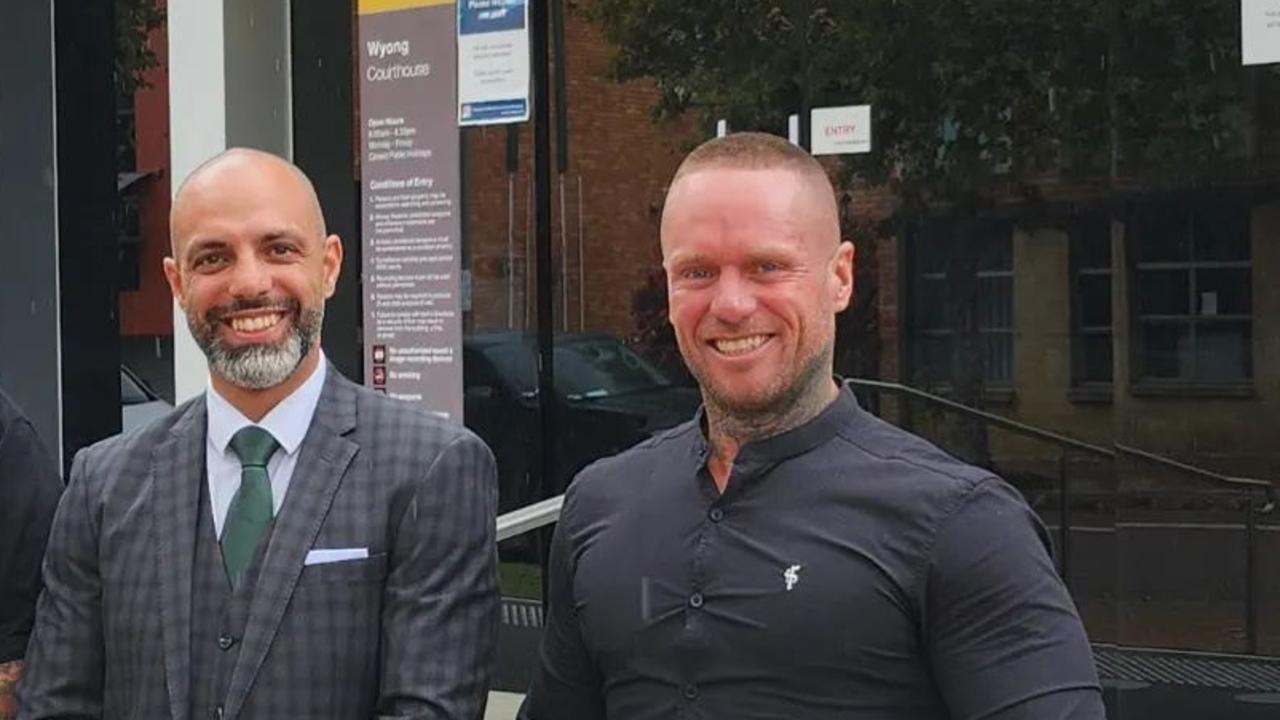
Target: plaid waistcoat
(219, 615)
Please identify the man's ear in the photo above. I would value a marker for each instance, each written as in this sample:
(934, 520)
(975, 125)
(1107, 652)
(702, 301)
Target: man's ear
(174, 276)
(842, 268)
(332, 264)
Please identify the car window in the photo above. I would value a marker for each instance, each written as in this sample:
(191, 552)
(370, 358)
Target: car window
(597, 368)
(476, 371)
(585, 368)
(131, 393)
(516, 363)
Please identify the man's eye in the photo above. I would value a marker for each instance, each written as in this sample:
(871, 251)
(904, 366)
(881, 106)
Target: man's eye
(281, 250)
(695, 273)
(205, 261)
(768, 266)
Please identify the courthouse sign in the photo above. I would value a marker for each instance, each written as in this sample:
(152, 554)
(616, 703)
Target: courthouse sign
(409, 174)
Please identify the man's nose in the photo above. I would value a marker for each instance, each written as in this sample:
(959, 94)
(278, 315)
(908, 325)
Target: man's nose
(734, 300)
(250, 277)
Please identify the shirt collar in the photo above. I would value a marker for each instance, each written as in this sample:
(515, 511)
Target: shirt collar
(800, 439)
(287, 421)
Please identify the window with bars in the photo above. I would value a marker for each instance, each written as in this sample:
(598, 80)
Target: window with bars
(931, 336)
(1091, 325)
(1193, 298)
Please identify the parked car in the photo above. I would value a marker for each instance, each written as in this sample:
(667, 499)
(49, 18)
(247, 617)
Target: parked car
(607, 398)
(139, 404)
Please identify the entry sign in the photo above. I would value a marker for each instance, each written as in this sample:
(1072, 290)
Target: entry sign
(1259, 32)
(840, 130)
(493, 62)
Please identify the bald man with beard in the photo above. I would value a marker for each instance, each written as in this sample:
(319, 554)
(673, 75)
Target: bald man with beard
(288, 544)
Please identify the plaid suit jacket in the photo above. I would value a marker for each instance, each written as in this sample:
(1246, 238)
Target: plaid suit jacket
(409, 632)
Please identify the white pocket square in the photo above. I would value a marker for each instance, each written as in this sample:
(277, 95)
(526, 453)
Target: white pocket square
(333, 555)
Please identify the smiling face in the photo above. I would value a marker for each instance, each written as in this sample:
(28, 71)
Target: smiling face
(252, 267)
(755, 276)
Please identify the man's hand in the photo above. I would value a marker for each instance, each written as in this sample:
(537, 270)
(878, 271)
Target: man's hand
(9, 674)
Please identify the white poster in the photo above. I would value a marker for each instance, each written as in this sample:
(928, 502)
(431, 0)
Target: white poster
(840, 130)
(493, 62)
(1259, 32)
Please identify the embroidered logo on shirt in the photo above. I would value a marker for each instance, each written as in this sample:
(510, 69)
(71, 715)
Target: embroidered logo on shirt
(791, 576)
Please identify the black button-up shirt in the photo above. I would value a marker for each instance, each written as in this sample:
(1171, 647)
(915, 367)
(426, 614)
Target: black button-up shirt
(850, 569)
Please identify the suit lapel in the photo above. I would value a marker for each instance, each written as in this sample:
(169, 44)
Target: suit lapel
(322, 461)
(177, 469)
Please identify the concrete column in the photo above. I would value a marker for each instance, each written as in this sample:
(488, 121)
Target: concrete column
(59, 333)
(30, 370)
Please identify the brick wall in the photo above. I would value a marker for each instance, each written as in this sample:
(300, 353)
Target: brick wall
(149, 309)
(620, 160)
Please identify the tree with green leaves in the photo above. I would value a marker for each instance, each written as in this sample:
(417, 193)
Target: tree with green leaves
(135, 20)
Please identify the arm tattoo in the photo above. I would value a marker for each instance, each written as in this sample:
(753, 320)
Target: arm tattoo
(9, 674)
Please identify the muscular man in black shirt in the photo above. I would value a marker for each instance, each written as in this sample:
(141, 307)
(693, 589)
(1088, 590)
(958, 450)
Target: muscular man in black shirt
(29, 490)
(786, 554)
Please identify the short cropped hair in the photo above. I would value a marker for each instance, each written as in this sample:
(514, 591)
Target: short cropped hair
(751, 151)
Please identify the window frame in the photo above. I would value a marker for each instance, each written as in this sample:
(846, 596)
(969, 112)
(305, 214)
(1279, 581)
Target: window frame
(1192, 319)
(1082, 388)
(996, 388)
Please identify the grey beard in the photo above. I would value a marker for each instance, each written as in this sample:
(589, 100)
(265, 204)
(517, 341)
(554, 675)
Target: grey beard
(258, 367)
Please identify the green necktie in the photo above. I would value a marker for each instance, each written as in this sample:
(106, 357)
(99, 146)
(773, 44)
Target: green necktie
(250, 511)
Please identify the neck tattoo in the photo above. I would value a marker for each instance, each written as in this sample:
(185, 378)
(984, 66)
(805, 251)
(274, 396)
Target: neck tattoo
(729, 431)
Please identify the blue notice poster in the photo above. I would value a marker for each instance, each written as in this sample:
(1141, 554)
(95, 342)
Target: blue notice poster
(493, 62)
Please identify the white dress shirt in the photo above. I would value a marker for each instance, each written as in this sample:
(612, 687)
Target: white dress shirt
(287, 422)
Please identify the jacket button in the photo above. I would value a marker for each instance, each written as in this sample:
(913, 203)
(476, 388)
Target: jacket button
(716, 514)
(690, 692)
(225, 641)
(695, 600)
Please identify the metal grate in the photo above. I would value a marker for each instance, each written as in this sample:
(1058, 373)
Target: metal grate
(1190, 669)
(521, 613)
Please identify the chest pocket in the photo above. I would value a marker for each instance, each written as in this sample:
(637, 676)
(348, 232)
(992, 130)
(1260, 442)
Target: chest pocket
(365, 570)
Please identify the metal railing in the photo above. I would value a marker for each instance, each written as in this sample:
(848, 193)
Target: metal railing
(1250, 488)
(530, 517)
(1064, 444)
(1208, 476)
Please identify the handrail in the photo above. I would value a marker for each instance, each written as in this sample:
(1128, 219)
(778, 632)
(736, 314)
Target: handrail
(1050, 436)
(1203, 474)
(990, 418)
(530, 517)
